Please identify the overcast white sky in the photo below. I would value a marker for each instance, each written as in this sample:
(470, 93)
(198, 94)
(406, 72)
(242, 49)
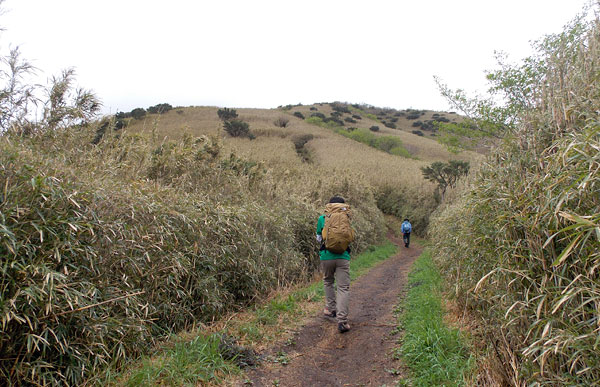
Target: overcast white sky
(236, 53)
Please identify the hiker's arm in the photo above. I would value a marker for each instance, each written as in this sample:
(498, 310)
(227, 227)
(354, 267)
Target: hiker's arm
(320, 225)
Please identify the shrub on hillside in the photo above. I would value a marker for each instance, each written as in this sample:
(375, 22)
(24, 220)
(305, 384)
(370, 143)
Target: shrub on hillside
(281, 122)
(299, 115)
(313, 108)
(299, 144)
(429, 125)
(418, 133)
(237, 128)
(374, 128)
(441, 119)
(413, 116)
(350, 120)
(334, 120)
(340, 108)
(356, 117)
(161, 108)
(390, 125)
(120, 124)
(362, 106)
(227, 114)
(102, 128)
(301, 140)
(319, 115)
(138, 113)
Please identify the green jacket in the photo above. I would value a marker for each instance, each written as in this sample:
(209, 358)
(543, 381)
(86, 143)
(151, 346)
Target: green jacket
(326, 254)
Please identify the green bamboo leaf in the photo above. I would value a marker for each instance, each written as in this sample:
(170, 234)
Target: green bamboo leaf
(566, 252)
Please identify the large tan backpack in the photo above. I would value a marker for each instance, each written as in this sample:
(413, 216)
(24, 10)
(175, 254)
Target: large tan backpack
(337, 232)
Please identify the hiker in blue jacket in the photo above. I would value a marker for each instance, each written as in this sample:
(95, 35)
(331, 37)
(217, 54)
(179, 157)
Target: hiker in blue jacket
(406, 229)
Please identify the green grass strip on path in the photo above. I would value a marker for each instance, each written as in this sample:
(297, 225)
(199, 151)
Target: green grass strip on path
(435, 354)
(200, 360)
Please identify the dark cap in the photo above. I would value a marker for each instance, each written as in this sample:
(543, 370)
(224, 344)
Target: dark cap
(337, 199)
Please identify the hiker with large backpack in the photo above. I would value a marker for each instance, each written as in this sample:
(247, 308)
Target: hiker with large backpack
(406, 230)
(335, 234)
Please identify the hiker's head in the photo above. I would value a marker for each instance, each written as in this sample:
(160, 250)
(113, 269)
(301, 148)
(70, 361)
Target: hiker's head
(406, 219)
(337, 199)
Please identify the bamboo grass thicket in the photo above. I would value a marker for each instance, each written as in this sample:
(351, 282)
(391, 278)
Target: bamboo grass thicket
(521, 247)
(107, 248)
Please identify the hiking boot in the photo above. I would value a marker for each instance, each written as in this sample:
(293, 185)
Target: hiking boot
(328, 314)
(343, 327)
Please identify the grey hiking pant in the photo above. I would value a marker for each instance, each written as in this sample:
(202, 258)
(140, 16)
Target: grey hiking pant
(338, 271)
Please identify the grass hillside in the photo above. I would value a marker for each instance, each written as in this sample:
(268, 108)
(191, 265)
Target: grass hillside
(325, 147)
(205, 121)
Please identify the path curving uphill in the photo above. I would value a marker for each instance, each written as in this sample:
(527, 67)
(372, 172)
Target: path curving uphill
(320, 356)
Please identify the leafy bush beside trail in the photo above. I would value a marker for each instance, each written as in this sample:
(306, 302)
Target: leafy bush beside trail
(521, 247)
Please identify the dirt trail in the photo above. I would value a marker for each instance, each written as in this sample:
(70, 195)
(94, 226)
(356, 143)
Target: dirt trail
(320, 356)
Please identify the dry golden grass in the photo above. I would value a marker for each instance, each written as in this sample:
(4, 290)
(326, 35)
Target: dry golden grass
(275, 148)
(377, 166)
(332, 156)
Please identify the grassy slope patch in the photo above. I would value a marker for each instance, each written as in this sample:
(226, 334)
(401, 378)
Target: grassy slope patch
(435, 354)
(389, 144)
(201, 360)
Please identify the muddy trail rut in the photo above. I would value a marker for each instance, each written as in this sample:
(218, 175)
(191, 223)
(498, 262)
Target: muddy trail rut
(319, 355)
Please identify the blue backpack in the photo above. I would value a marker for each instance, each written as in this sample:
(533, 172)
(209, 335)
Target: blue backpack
(406, 227)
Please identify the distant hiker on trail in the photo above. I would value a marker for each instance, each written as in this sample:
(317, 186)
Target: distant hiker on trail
(406, 229)
(335, 233)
